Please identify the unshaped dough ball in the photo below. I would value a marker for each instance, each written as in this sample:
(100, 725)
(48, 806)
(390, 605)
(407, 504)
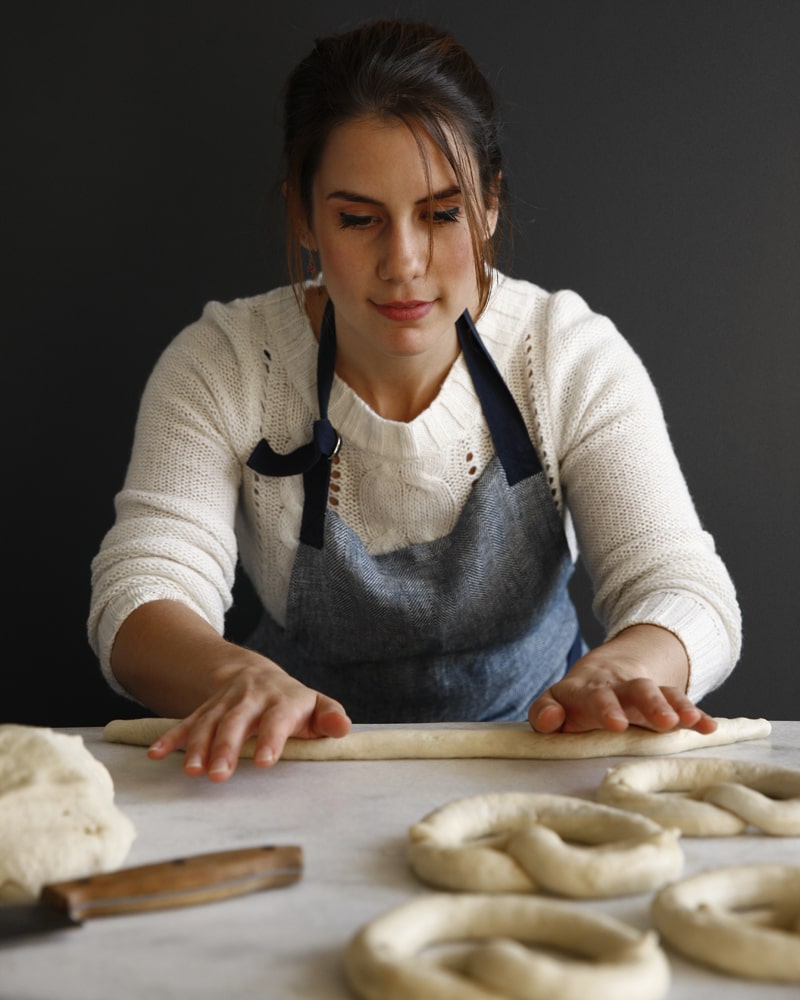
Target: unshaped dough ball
(58, 820)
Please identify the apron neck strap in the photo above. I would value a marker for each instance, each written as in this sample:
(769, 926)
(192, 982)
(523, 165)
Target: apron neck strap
(510, 435)
(314, 459)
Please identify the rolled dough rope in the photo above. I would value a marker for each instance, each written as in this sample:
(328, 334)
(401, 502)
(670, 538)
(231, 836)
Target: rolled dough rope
(506, 742)
(698, 917)
(707, 796)
(385, 960)
(512, 842)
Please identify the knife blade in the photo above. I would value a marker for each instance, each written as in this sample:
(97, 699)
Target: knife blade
(189, 881)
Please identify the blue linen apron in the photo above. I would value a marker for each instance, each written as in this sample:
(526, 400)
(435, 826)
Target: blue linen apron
(468, 627)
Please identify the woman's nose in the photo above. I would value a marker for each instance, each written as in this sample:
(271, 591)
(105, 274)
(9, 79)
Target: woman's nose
(405, 253)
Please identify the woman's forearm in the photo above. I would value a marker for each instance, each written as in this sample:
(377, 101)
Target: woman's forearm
(169, 657)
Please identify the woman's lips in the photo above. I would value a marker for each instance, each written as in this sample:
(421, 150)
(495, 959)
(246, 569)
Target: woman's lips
(404, 312)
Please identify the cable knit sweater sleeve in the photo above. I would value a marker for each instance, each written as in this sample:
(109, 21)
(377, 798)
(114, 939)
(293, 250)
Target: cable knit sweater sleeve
(173, 537)
(648, 557)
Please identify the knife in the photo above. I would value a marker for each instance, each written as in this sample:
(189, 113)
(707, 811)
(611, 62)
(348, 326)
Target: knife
(201, 878)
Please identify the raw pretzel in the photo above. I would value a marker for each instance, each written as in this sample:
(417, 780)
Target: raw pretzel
(708, 796)
(698, 917)
(509, 741)
(512, 842)
(385, 960)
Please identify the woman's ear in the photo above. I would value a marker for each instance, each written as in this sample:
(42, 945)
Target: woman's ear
(491, 222)
(306, 239)
(297, 216)
(493, 208)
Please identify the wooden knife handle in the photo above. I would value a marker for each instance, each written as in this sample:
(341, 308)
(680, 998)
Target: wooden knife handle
(201, 878)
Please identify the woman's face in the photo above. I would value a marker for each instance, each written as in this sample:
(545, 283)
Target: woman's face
(395, 294)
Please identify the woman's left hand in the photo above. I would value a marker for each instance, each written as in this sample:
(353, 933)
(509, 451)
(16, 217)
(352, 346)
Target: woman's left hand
(637, 678)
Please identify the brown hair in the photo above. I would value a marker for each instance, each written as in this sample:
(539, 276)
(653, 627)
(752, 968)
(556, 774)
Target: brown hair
(418, 75)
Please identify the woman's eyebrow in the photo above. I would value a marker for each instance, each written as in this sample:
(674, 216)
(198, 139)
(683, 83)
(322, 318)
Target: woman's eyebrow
(363, 199)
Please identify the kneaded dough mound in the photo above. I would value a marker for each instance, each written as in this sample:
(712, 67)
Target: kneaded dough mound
(58, 820)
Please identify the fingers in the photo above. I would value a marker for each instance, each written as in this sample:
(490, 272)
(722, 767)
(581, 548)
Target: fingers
(213, 736)
(577, 705)
(326, 718)
(232, 731)
(574, 707)
(331, 720)
(172, 739)
(689, 715)
(546, 714)
(663, 708)
(211, 739)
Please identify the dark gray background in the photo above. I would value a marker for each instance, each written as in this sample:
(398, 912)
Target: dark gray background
(653, 153)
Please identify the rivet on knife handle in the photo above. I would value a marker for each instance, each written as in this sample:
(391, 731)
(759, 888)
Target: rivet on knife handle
(202, 878)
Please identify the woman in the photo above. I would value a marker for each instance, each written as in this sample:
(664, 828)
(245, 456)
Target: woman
(406, 449)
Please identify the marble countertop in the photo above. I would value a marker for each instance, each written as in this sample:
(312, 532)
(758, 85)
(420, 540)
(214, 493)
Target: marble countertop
(351, 818)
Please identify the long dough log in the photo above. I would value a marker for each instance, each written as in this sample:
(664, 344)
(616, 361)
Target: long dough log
(507, 742)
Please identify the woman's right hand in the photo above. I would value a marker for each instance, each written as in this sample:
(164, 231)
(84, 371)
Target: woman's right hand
(259, 700)
(173, 661)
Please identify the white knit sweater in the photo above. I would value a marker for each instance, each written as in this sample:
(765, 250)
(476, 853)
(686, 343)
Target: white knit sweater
(247, 369)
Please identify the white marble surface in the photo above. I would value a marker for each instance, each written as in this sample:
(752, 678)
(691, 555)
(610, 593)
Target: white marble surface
(351, 819)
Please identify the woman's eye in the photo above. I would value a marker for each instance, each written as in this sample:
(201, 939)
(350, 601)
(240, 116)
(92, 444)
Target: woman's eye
(349, 221)
(447, 214)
